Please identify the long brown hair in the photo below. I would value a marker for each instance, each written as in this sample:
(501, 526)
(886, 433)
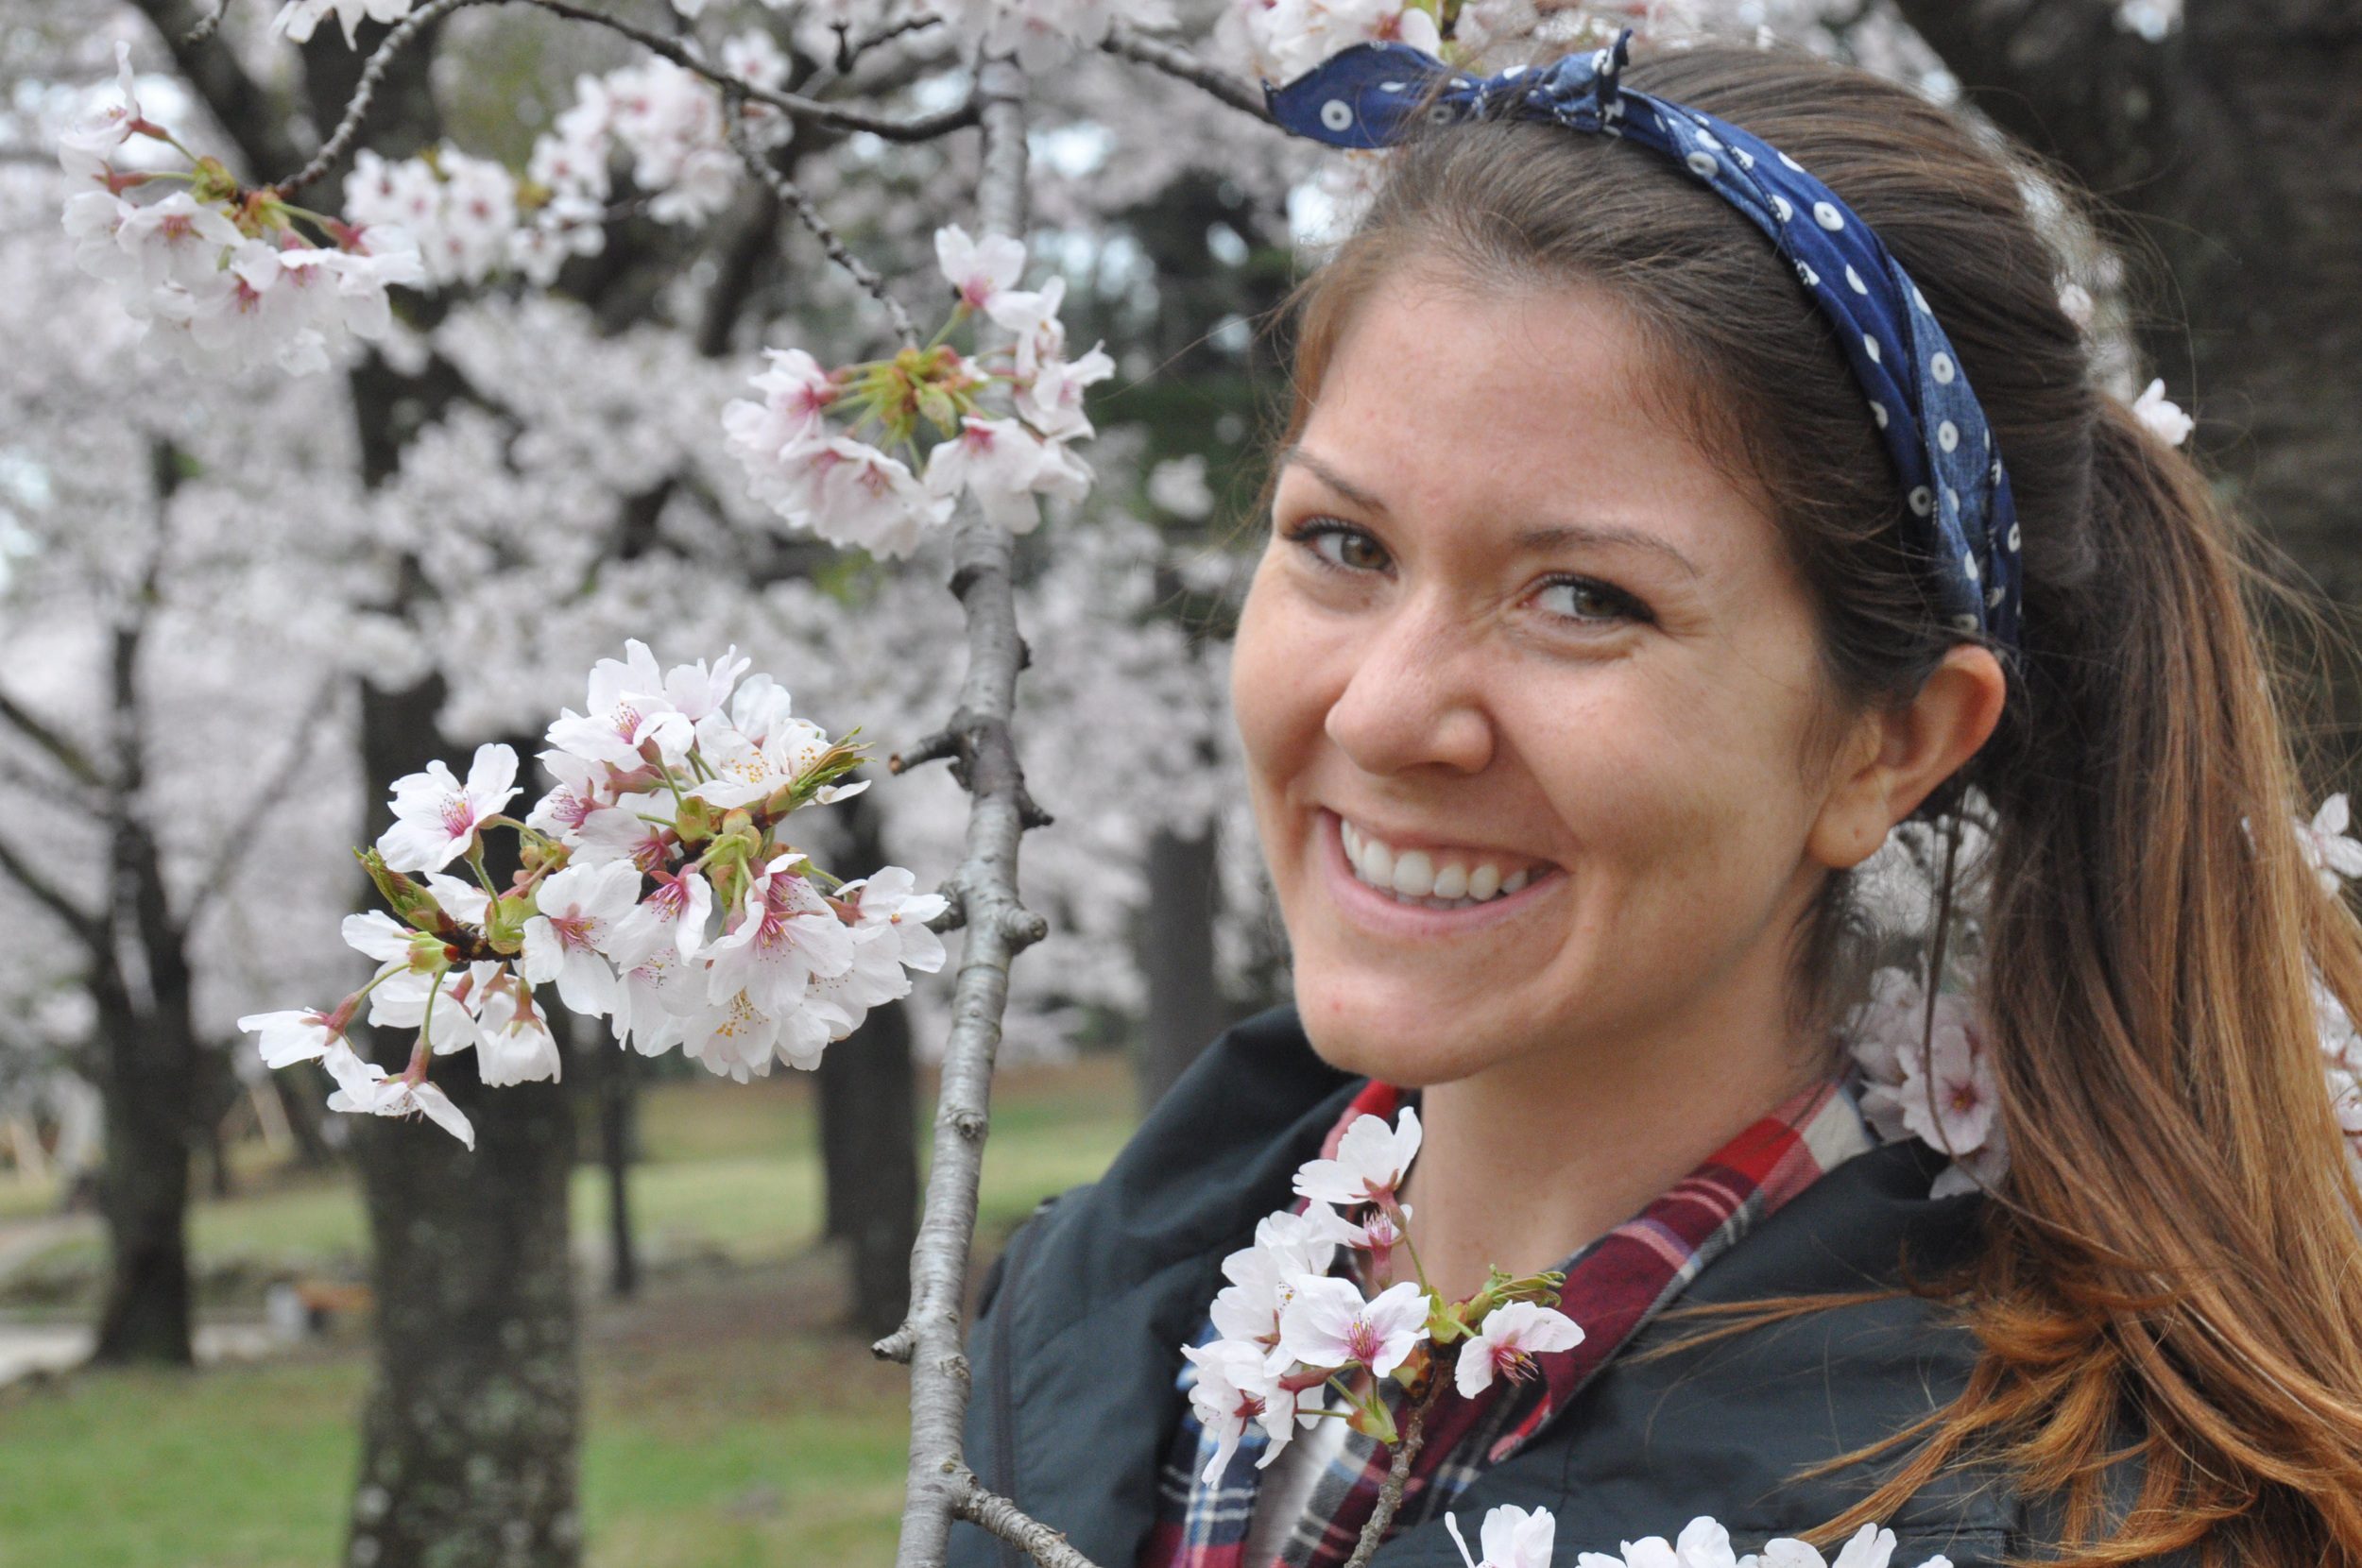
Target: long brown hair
(2175, 1257)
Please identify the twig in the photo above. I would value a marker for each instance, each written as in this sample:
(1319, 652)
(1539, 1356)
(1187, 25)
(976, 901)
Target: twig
(1178, 63)
(357, 108)
(206, 24)
(1004, 1519)
(925, 128)
(850, 50)
(940, 1485)
(809, 215)
(325, 699)
(1397, 1475)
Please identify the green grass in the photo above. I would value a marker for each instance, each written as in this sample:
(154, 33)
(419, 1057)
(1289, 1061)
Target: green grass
(726, 1425)
(729, 1171)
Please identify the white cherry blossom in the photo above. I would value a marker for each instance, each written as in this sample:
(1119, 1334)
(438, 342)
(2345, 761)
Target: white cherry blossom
(2161, 417)
(1238, 1387)
(1512, 1538)
(516, 1046)
(298, 19)
(1371, 1161)
(978, 272)
(2326, 846)
(1328, 1323)
(1506, 1343)
(1288, 1248)
(436, 816)
(785, 935)
(578, 910)
(371, 1093)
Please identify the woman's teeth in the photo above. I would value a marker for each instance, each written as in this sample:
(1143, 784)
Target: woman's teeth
(1415, 877)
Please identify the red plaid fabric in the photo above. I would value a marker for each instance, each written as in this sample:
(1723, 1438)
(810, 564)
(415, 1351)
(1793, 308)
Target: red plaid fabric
(1613, 1286)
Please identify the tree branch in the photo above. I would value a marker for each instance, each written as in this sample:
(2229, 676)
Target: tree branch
(218, 872)
(793, 196)
(87, 928)
(1381, 1517)
(1179, 63)
(925, 128)
(51, 743)
(940, 1486)
(237, 102)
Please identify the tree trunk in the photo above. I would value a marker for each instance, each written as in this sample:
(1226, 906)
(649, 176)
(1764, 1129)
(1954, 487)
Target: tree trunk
(1186, 1008)
(618, 1093)
(144, 1187)
(469, 1437)
(2237, 145)
(470, 1434)
(868, 1116)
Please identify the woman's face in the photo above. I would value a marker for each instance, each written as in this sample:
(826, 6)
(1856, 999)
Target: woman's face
(1524, 683)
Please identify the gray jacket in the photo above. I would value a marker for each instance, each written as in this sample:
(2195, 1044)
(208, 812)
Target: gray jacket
(1077, 1346)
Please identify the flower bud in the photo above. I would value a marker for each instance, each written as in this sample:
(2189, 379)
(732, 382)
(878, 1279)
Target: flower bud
(411, 903)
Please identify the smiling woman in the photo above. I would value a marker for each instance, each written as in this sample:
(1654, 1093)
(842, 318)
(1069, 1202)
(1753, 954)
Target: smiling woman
(1610, 616)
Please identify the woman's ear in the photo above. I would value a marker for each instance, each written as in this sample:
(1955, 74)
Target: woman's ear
(1897, 756)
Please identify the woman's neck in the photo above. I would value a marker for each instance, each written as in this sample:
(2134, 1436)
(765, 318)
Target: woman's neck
(1527, 1161)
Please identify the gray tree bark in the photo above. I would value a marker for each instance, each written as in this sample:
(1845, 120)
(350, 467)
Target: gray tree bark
(869, 1134)
(1186, 1007)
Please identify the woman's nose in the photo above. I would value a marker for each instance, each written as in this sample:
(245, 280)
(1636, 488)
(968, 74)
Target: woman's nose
(1412, 699)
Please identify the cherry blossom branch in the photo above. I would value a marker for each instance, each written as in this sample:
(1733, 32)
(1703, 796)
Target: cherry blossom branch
(924, 128)
(984, 889)
(365, 92)
(1174, 61)
(793, 196)
(1002, 1518)
(1397, 1475)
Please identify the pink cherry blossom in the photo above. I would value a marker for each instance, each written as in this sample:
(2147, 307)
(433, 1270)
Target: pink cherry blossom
(1371, 1161)
(1329, 1325)
(579, 907)
(1507, 1341)
(436, 817)
(978, 272)
(1288, 1248)
(1238, 1387)
(784, 936)
(295, 1034)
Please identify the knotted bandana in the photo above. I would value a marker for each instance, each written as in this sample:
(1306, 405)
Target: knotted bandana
(1960, 513)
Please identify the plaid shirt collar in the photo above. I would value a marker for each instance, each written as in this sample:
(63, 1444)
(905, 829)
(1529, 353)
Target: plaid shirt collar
(1614, 1286)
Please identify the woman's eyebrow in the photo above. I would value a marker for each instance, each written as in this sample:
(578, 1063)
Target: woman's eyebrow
(1562, 536)
(1330, 477)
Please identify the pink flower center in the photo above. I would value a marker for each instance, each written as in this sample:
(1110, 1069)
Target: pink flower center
(1512, 1363)
(1363, 1344)
(1249, 1406)
(458, 817)
(573, 930)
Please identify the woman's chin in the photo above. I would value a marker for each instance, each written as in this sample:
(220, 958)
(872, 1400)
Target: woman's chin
(1372, 1030)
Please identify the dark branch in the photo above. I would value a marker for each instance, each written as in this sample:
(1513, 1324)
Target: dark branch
(793, 197)
(1179, 63)
(239, 104)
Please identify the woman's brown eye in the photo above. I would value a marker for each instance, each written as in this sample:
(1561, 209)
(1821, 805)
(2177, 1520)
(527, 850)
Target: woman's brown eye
(1348, 549)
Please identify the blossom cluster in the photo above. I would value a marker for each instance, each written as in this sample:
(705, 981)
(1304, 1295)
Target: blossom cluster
(1284, 38)
(1512, 1537)
(1289, 1328)
(655, 890)
(222, 277)
(802, 443)
(1936, 1084)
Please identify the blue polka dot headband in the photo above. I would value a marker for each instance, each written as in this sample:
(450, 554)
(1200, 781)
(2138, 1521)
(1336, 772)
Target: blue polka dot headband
(1960, 515)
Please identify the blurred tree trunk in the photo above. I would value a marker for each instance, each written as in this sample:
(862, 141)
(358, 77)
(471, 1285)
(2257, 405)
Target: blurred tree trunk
(150, 1077)
(1186, 1008)
(868, 1116)
(469, 1436)
(469, 1433)
(2235, 146)
(618, 1090)
(144, 1181)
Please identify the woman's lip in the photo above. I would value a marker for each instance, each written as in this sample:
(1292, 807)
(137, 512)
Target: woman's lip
(1376, 911)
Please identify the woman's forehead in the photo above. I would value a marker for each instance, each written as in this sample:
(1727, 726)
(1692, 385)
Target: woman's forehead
(1535, 409)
